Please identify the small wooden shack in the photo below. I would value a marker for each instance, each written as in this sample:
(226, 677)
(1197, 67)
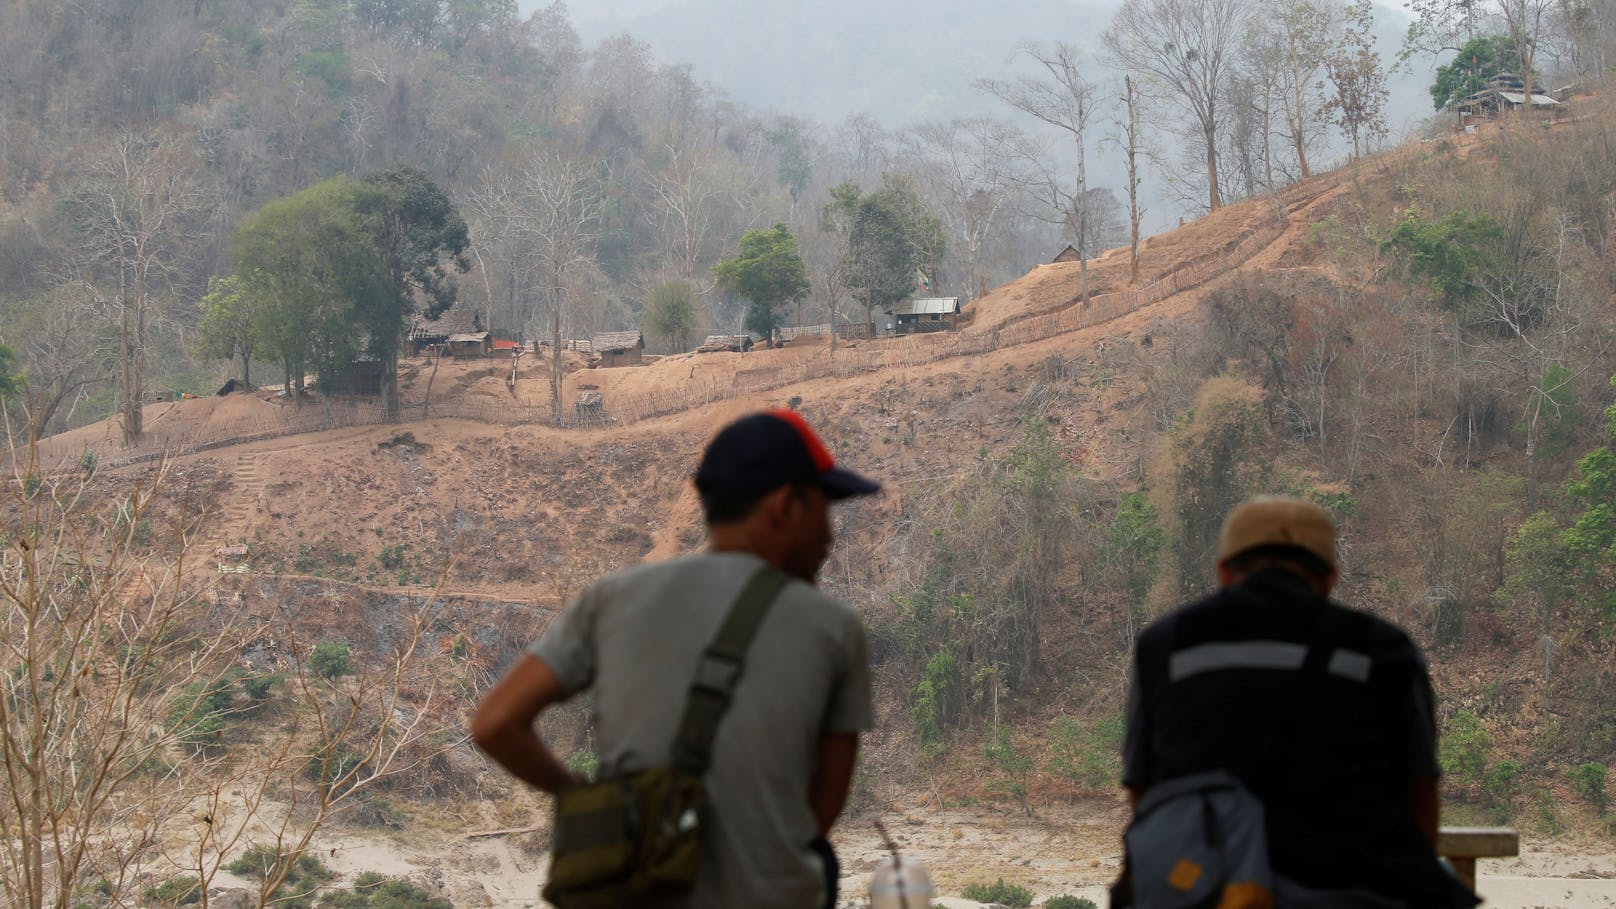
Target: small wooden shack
(619, 348)
(925, 314)
(471, 344)
(1069, 254)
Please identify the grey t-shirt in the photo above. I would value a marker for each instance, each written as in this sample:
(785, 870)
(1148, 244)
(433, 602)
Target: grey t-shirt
(636, 637)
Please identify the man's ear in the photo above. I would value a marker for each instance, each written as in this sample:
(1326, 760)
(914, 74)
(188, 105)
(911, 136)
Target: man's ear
(773, 505)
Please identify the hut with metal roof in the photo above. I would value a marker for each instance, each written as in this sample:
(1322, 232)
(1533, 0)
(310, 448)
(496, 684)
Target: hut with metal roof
(925, 314)
(618, 348)
(471, 344)
(435, 333)
(1503, 93)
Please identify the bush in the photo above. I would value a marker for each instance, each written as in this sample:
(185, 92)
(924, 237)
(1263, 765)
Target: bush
(198, 713)
(1588, 782)
(1069, 902)
(184, 890)
(375, 811)
(1013, 767)
(258, 688)
(304, 874)
(1012, 895)
(1501, 780)
(329, 660)
(1464, 747)
(392, 557)
(373, 891)
(1086, 756)
(583, 762)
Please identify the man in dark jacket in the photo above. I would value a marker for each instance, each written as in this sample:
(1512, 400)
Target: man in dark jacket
(1343, 756)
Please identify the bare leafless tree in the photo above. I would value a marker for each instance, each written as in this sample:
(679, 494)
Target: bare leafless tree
(1184, 49)
(1131, 149)
(1064, 99)
(134, 749)
(974, 167)
(135, 212)
(561, 204)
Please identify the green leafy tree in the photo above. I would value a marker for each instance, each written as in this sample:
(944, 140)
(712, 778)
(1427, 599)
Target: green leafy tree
(419, 236)
(1453, 252)
(1479, 60)
(767, 272)
(231, 325)
(891, 235)
(309, 263)
(1590, 541)
(1134, 542)
(332, 274)
(670, 313)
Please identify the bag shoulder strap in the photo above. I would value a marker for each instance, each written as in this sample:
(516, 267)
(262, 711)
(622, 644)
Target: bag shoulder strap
(720, 670)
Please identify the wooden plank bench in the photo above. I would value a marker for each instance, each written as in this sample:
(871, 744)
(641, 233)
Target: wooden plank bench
(1463, 845)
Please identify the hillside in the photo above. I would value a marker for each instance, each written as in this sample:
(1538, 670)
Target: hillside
(1193, 395)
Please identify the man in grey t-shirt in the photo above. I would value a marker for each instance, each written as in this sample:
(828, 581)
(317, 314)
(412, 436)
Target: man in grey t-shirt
(784, 755)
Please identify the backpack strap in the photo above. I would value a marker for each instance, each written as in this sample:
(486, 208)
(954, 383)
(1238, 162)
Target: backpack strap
(720, 669)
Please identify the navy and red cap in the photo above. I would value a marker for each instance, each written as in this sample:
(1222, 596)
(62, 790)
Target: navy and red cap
(765, 451)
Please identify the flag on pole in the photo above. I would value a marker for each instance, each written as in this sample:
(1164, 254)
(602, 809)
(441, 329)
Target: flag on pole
(922, 283)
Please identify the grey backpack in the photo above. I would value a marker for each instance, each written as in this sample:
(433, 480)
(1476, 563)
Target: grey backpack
(1199, 840)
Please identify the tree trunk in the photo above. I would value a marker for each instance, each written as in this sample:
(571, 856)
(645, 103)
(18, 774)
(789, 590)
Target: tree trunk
(389, 382)
(1214, 200)
(555, 359)
(1082, 220)
(1133, 187)
(1297, 131)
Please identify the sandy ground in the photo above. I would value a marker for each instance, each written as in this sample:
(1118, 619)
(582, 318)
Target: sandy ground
(1067, 850)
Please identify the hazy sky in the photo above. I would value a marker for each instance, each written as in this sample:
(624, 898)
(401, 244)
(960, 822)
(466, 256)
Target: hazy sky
(838, 57)
(819, 95)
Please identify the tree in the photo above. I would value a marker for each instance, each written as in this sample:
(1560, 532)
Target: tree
(231, 325)
(976, 167)
(416, 230)
(1063, 99)
(133, 213)
(561, 207)
(1479, 60)
(1359, 83)
(63, 344)
(1186, 48)
(890, 236)
(767, 272)
(1301, 35)
(309, 264)
(670, 313)
(1131, 146)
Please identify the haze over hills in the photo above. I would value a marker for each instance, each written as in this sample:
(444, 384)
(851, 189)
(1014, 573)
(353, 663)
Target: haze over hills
(910, 61)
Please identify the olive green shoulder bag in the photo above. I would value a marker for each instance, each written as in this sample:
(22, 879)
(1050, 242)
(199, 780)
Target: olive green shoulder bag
(639, 836)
